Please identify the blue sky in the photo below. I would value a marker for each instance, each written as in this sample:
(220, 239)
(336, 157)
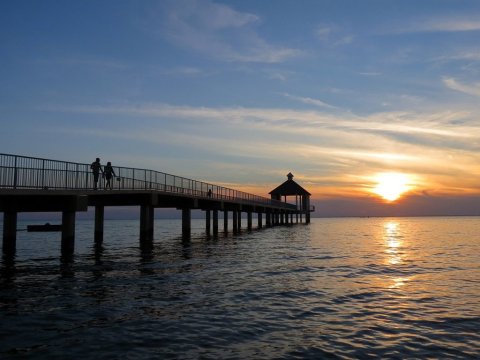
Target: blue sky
(242, 92)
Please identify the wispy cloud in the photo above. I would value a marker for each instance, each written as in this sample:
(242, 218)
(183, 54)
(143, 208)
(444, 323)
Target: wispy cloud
(345, 40)
(276, 74)
(441, 24)
(332, 35)
(450, 25)
(453, 84)
(323, 32)
(185, 70)
(471, 55)
(441, 123)
(218, 30)
(439, 145)
(310, 101)
(370, 73)
(87, 61)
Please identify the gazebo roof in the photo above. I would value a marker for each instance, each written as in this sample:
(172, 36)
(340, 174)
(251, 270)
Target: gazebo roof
(289, 188)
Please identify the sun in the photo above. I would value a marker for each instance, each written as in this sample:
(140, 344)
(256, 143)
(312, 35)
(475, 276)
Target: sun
(390, 186)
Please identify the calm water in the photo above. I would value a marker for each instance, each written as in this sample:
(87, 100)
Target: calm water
(339, 288)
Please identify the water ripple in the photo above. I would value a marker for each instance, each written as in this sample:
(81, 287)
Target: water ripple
(337, 289)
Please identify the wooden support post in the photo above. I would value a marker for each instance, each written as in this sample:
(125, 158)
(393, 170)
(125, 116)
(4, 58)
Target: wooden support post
(207, 222)
(239, 222)
(68, 232)
(235, 220)
(186, 223)
(9, 232)
(260, 220)
(249, 220)
(99, 221)
(215, 222)
(146, 224)
(296, 217)
(307, 217)
(268, 218)
(225, 221)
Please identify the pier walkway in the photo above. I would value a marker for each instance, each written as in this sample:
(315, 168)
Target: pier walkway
(29, 184)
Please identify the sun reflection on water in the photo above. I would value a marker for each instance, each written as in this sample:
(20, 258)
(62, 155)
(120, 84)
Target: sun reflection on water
(399, 282)
(393, 242)
(394, 251)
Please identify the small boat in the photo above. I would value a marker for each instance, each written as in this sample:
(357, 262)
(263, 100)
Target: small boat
(45, 227)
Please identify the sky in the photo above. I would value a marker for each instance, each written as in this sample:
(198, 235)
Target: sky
(240, 93)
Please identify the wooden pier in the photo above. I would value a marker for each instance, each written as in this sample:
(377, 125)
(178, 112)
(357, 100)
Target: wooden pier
(41, 185)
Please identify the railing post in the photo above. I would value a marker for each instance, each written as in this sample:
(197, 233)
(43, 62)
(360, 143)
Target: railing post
(66, 175)
(76, 176)
(15, 173)
(43, 174)
(86, 179)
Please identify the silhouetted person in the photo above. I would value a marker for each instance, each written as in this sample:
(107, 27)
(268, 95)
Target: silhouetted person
(108, 173)
(96, 169)
(209, 194)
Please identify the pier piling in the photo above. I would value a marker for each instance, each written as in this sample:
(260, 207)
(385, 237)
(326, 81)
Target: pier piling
(146, 223)
(207, 222)
(9, 231)
(186, 222)
(215, 222)
(99, 224)
(225, 221)
(235, 221)
(68, 232)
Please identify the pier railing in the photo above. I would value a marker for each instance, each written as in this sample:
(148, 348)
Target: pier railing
(23, 172)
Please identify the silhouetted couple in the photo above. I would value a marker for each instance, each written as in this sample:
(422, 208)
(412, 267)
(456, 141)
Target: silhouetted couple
(107, 172)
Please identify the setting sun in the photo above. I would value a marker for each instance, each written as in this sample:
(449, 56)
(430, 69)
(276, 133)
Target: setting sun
(390, 186)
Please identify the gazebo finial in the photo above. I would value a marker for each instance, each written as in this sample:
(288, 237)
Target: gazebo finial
(290, 176)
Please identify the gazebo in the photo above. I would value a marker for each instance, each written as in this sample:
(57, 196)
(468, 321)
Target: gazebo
(291, 188)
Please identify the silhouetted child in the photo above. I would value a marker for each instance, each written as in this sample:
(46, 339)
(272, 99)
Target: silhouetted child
(209, 194)
(96, 169)
(108, 173)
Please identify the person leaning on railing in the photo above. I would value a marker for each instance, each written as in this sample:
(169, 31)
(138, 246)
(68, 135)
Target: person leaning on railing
(108, 173)
(96, 168)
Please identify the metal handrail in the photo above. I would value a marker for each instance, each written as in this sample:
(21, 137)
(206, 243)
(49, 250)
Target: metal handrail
(24, 172)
